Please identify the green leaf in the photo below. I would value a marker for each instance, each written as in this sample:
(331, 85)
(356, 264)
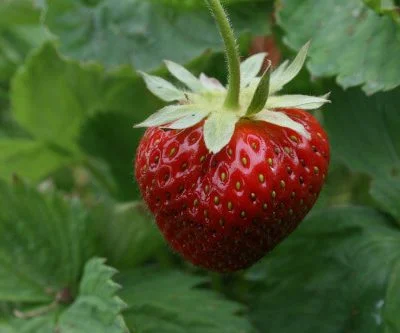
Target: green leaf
(385, 7)
(8, 126)
(363, 131)
(387, 194)
(20, 32)
(333, 25)
(96, 176)
(44, 242)
(392, 304)
(6, 328)
(29, 159)
(42, 324)
(109, 136)
(171, 302)
(343, 188)
(18, 12)
(143, 33)
(129, 235)
(97, 308)
(15, 43)
(335, 273)
(51, 97)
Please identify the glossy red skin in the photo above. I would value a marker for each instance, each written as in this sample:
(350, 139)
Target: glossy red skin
(179, 180)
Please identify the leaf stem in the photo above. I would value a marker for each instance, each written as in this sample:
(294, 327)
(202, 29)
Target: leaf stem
(36, 312)
(231, 53)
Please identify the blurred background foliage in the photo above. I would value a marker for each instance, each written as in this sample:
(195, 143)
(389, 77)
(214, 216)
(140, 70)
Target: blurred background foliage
(69, 95)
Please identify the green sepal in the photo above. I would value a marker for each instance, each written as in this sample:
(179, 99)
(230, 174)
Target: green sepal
(260, 96)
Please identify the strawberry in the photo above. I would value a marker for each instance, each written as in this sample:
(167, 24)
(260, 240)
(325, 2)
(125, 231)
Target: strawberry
(224, 211)
(230, 172)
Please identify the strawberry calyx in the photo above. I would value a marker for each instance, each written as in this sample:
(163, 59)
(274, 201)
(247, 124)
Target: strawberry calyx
(205, 98)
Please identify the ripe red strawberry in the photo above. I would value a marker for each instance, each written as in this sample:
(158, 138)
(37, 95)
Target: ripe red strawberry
(230, 172)
(224, 211)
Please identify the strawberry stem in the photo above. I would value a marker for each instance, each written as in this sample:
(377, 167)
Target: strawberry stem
(231, 53)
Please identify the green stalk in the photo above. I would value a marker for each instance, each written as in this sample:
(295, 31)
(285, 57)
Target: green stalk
(231, 52)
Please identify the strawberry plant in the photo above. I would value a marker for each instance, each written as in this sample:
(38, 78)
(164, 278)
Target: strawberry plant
(161, 172)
